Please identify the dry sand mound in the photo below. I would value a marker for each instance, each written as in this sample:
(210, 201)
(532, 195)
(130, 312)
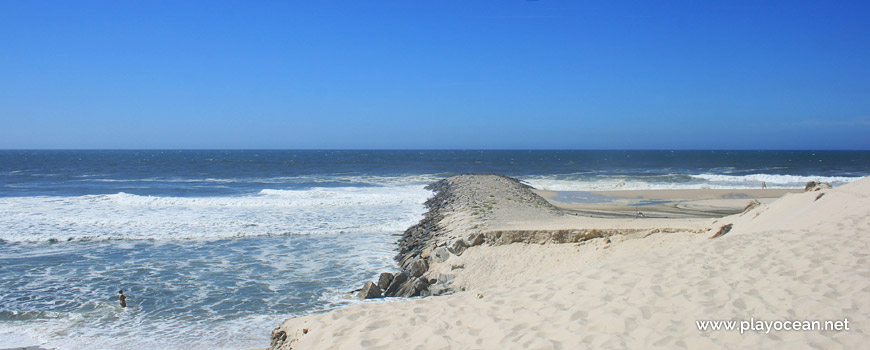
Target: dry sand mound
(802, 257)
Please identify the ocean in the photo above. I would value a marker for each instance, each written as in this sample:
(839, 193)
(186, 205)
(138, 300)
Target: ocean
(216, 248)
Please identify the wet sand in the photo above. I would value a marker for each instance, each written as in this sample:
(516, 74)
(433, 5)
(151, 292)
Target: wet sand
(697, 203)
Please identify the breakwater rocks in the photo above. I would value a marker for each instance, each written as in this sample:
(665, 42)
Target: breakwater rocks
(459, 214)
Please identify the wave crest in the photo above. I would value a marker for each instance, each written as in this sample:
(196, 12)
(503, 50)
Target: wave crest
(677, 181)
(271, 212)
(793, 180)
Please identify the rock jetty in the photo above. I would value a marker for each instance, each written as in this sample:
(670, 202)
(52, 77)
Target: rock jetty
(458, 216)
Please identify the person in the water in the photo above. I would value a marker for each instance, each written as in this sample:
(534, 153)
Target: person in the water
(123, 298)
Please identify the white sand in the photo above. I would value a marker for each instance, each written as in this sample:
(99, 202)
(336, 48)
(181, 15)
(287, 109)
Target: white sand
(797, 258)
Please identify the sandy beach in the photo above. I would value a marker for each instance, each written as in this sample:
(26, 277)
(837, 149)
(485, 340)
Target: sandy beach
(645, 284)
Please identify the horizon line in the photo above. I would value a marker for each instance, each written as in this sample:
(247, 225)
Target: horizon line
(444, 149)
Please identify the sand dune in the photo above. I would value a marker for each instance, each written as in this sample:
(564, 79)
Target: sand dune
(805, 256)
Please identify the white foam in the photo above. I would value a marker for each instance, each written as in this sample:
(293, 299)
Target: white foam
(271, 212)
(591, 185)
(701, 181)
(311, 179)
(63, 334)
(196, 293)
(792, 180)
(15, 340)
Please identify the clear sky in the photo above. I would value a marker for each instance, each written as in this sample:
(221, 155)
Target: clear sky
(435, 74)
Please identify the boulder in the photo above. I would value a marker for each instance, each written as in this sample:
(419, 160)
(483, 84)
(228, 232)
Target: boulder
(384, 280)
(440, 254)
(412, 287)
(815, 186)
(420, 286)
(474, 239)
(458, 247)
(405, 263)
(439, 289)
(427, 252)
(370, 291)
(277, 339)
(418, 268)
(397, 282)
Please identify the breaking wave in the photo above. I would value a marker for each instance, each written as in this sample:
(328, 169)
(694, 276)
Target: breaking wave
(317, 210)
(676, 182)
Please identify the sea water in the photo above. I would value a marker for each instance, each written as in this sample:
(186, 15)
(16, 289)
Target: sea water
(216, 248)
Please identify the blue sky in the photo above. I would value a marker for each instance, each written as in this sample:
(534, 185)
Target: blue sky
(435, 74)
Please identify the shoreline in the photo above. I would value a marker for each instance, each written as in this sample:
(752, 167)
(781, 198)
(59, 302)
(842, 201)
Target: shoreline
(521, 271)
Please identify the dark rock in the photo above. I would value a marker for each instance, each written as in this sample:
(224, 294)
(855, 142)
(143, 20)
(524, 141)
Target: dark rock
(458, 247)
(397, 282)
(815, 186)
(384, 280)
(370, 291)
(418, 268)
(407, 261)
(421, 285)
(406, 289)
(416, 237)
(439, 289)
(278, 338)
(413, 288)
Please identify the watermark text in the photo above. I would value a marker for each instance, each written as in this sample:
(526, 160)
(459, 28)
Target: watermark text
(754, 325)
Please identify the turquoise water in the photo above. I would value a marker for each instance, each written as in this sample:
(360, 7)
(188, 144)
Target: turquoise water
(216, 248)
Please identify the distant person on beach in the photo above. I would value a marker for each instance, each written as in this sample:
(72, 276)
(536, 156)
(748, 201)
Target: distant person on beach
(123, 298)
(763, 185)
